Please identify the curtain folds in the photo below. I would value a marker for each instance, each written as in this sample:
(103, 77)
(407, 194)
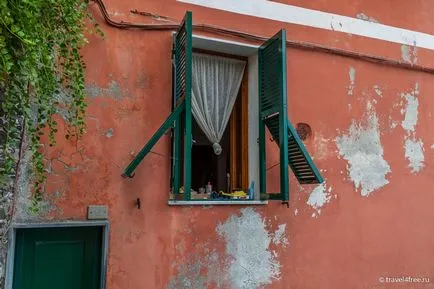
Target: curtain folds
(215, 85)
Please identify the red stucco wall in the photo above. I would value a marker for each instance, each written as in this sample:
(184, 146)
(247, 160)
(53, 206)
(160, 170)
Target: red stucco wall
(352, 242)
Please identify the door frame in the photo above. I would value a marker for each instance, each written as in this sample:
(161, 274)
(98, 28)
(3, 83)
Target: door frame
(10, 261)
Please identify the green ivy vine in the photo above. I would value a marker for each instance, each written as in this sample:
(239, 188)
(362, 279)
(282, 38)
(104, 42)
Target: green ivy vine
(41, 74)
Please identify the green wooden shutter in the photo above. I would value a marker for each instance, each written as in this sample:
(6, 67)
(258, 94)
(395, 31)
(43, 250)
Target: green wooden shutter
(182, 52)
(273, 115)
(180, 118)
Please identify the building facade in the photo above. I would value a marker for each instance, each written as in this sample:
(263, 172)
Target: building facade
(359, 81)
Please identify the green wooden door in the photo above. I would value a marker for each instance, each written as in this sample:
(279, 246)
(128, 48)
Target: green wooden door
(58, 258)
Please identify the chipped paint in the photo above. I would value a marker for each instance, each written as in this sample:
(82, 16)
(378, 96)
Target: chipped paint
(392, 123)
(296, 210)
(432, 146)
(109, 133)
(245, 234)
(189, 275)
(363, 16)
(414, 154)
(237, 268)
(362, 149)
(378, 90)
(411, 110)
(279, 237)
(319, 197)
(352, 75)
(409, 54)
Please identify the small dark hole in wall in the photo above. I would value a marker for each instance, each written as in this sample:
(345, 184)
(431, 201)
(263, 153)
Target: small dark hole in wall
(304, 131)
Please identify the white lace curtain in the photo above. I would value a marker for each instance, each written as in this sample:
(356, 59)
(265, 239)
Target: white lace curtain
(215, 84)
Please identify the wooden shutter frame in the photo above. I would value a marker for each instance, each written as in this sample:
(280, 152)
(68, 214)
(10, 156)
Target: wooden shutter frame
(182, 105)
(281, 110)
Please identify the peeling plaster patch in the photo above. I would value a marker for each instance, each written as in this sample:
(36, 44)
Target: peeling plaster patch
(109, 133)
(378, 90)
(296, 210)
(411, 111)
(112, 90)
(319, 197)
(362, 148)
(279, 237)
(352, 75)
(363, 16)
(252, 264)
(413, 148)
(409, 54)
(432, 146)
(23, 200)
(414, 154)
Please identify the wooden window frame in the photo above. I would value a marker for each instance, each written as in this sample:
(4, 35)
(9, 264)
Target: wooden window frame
(239, 139)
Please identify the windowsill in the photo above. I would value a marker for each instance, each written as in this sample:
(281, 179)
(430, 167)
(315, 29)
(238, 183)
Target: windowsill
(215, 203)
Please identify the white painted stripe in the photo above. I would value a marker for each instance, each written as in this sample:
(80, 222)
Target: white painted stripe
(318, 19)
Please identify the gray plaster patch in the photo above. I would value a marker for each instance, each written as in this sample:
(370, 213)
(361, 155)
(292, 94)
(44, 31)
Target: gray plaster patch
(113, 90)
(414, 154)
(319, 197)
(64, 99)
(413, 148)
(362, 149)
(411, 110)
(352, 75)
(252, 264)
(279, 237)
(22, 200)
(409, 54)
(363, 16)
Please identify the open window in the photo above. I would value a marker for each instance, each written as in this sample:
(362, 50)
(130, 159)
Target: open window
(219, 160)
(220, 157)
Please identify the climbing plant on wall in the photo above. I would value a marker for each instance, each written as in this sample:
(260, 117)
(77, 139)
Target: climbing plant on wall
(41, 73)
